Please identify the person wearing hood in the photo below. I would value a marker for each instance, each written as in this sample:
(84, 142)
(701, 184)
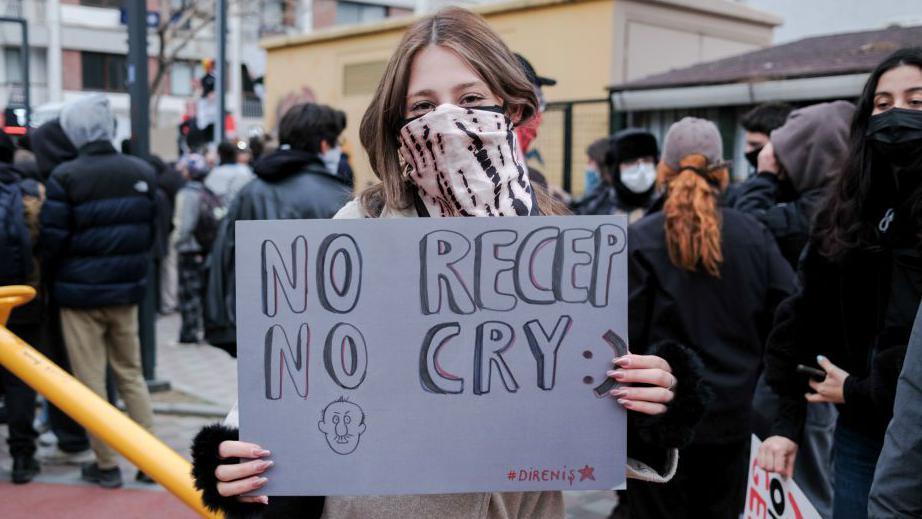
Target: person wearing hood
(52, 147)
(97, 237)
(291, 183)
(627, 167)
(796, 168)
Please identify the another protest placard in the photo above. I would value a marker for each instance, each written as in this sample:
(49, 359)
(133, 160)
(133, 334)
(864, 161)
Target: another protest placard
(769, 496)
(407, 356)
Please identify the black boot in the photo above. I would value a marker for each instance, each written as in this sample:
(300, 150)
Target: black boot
(108, 478)
(24, 469)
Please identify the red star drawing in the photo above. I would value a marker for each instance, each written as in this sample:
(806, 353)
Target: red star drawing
(586, 472)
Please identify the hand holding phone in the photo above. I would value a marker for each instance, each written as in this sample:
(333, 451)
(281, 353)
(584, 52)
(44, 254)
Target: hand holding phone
(814, 373)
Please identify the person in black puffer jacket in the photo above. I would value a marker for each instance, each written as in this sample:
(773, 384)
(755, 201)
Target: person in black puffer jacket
(291, 183)
(97, 235)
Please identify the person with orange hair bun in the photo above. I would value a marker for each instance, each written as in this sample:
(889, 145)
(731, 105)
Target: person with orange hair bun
(707, 277)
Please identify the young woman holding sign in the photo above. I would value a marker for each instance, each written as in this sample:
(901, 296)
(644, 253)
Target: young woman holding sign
(450, 69)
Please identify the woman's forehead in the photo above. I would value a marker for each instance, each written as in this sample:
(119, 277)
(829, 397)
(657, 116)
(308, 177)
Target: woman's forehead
(437, 69)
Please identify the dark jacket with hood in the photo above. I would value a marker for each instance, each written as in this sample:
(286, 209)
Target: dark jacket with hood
(724, 320)
(98, 220)
(616, 198)
(811, 147)
(289, 185)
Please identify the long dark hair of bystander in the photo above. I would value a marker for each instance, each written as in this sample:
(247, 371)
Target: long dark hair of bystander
(866, 187)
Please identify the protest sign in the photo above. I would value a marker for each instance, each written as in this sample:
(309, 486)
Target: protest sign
(769, 496)
(408, 356)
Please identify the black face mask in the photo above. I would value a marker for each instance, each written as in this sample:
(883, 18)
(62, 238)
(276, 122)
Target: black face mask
(752, 158)
(896, 135)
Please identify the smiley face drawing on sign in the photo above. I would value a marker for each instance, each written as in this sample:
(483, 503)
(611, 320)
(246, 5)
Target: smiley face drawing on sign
(342, 422)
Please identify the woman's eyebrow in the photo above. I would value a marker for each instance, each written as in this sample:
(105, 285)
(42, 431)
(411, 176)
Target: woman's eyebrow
(913, 90)
(470, 84)
(421, 93)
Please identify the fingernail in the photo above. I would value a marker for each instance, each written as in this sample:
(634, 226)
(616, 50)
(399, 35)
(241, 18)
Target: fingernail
(618, 375)
(820, 358)
(618, 392)
(261, 452)
(264, 500)
(623, 362)
(624, 402)
(610, 373)
(266, 464)
(261, 481)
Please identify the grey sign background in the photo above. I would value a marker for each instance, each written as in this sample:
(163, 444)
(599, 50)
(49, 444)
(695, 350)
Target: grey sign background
(415, 441)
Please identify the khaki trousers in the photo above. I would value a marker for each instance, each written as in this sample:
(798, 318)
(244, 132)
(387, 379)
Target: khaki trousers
(96, 336)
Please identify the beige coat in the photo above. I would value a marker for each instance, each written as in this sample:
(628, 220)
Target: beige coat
(496, 505)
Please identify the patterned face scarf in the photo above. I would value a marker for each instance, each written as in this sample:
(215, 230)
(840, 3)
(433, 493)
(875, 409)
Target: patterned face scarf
(466, 162)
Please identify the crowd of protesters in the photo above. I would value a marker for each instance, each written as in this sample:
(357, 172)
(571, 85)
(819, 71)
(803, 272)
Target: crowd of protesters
(784, 305)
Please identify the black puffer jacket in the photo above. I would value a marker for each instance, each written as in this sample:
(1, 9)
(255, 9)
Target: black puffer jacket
(290, 185)
(98, 227)
(724, 320)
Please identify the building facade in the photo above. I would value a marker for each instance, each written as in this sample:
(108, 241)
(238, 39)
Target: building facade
(586, 45)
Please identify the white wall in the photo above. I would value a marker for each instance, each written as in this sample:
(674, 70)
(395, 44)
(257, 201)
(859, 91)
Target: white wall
(804, 18)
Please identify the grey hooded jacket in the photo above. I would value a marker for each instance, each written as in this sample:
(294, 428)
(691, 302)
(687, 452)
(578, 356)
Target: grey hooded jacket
(897, 489)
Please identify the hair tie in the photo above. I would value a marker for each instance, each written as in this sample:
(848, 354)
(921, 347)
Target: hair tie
(703, 174)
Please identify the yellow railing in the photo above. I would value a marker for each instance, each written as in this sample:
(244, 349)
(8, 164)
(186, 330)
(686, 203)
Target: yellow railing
(99, 417)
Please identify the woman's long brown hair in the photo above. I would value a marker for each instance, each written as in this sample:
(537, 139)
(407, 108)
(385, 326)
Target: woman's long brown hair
(476, 43)
(692, 217)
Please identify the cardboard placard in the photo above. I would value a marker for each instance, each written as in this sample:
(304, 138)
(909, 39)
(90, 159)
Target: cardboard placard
(769, 496)
(423, 355)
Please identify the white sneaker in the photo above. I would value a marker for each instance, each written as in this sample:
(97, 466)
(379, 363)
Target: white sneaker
(47, 439)
(55, 456)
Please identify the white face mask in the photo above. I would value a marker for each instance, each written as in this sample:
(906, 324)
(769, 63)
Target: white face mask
(639, 178)
(331, 159)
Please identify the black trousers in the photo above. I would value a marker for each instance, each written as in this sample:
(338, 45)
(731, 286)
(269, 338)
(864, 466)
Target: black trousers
(20, 399)
(710, 482)
(71, 436)
(191, 285)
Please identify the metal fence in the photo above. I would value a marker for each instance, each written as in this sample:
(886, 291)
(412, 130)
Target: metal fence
(567, 129)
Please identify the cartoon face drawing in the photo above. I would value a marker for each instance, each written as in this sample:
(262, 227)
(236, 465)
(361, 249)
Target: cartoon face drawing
(342, 422)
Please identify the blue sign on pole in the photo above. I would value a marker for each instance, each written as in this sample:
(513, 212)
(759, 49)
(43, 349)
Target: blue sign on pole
(153, 18)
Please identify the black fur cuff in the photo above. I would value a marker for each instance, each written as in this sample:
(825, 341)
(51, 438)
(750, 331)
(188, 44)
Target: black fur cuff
(676, 427)
(205, 460)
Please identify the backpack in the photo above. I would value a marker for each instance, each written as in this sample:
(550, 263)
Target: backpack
(211, 210)
(15, 243)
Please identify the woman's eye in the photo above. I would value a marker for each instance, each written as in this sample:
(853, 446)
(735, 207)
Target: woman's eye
(882, 106)
(422, 107)
(471, 99)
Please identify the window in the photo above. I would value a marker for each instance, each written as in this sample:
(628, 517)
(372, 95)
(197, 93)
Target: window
(114, 4)
(104, 72)
(181, 76)
(13, 65)
(353, 13)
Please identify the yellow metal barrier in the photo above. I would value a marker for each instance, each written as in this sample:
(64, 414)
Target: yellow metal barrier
(99, 417)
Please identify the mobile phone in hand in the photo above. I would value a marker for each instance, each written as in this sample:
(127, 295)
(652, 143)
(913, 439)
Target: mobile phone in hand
(814, 373)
